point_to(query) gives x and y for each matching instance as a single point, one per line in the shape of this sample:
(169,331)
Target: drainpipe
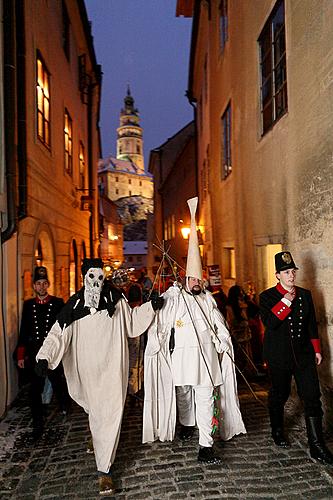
(10,116)
(21,110)
(91,163)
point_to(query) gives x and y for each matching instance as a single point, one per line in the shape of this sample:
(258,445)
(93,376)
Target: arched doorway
(43,254)
(73,274)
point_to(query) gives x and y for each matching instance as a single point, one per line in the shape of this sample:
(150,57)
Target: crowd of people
(188,347)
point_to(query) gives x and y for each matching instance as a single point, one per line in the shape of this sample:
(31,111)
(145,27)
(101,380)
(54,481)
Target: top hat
(40,273)
(284,261)
(90,263)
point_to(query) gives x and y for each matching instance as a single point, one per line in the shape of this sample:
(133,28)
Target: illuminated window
(266,265)
(73,269)
(68,143)
(223,23)
(43,102)
(229,263)
(226,143)
(82,166)
(272,50)
(39,254)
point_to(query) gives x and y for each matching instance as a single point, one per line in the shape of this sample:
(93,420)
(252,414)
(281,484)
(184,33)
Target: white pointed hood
(193,264)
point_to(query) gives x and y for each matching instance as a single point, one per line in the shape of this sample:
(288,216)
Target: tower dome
(129,134)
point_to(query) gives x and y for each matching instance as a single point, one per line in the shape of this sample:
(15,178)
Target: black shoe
(186,432)
(37,433)
(280,439)
(322,454)
(207,456)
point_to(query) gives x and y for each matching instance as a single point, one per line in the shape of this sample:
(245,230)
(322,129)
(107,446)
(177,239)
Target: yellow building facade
(261,80)
(50,217)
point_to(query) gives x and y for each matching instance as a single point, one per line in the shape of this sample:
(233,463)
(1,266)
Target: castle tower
(129,134)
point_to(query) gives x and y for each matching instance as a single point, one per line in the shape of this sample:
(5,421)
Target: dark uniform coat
(37,320)
(291,333)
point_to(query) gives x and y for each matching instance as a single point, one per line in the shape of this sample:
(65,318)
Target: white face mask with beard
(93,282)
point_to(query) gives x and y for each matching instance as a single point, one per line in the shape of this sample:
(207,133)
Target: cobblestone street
(58,467)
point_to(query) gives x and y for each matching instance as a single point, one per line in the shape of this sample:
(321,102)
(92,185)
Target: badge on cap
(286,257)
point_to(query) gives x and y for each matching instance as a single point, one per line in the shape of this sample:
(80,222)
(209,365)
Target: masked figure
(90,337)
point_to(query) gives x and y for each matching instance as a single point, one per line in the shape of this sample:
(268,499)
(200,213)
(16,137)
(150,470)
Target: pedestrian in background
(238,323)
(38,316)
(292,349)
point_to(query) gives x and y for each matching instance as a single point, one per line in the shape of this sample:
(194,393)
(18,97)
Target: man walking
(292,349)
(38,316)
(183,364)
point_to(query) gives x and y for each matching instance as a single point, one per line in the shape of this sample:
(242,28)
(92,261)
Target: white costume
(194,319)
(94,352)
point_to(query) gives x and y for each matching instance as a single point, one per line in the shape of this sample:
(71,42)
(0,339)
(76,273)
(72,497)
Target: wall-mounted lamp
(185,232)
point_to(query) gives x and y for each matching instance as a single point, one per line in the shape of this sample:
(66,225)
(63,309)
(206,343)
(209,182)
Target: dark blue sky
(143,43)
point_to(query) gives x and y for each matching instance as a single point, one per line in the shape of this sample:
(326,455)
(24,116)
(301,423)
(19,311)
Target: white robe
(94,351)
(186,366)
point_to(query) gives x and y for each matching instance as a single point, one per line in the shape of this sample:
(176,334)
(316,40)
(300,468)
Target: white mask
(93,282)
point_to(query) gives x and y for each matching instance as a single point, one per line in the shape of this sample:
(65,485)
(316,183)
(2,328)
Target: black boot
(276,418)
(318,448)
(186,432)
(207,456)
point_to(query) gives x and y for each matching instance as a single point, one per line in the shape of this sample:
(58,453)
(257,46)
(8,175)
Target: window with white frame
(223,23)
(226,160)
(43,102)
(68,143)
(273,68)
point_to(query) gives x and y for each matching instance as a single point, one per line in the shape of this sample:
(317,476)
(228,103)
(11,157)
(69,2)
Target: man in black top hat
(38,316)
(292,348)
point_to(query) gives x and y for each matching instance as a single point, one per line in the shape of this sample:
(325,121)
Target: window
(266,265)
(68,139)
(117,191)
(43,102)
(82,167)
(272,51)
(39,254)
(138,148)
(129,181)
(223,23)
(226,143)
(65,30)
(140,183)
(116,179)
(129,193)
(229,263)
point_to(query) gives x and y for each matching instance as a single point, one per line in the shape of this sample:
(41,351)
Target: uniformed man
(292,349)
(38,316)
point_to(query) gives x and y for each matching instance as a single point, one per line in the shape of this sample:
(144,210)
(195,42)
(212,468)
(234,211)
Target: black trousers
(59,386)
(307,384)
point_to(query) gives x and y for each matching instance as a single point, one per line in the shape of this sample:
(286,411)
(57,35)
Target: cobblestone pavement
(58,467)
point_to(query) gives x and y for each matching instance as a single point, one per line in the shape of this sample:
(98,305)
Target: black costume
(291,343)
(291,335)
(38,317)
